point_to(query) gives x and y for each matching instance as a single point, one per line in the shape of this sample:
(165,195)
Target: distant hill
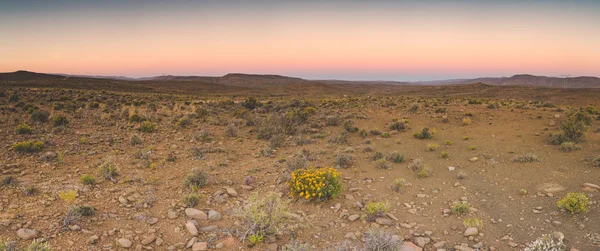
(525,80)
(27,76)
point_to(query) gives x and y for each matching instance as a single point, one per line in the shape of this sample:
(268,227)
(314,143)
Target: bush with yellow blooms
(315,184)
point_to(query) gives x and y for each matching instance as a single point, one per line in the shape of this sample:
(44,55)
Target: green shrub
(398,184)
(398,126)
(472,147)
(526,158)
(344,160)
(432,147)
(250,103)
(315,184)
(386,135)
(264,216)
(37,246)
(382,164)
(569,147)
(376,210)
(363,133)
(108,170)
(349,126)
(574,203)
(135,140)
(424,171)
(9,181)
(191,200)
(575,126)
(396,157)
(460,208)
(425,134)
(147,126)
(196,179)
(136,118)
(29,190)
(473,222)
(40,116)
(444,155)
(448,142)
(23,129)
(184,122)
(87,179)
(29,146)
(557,139)
(60,120)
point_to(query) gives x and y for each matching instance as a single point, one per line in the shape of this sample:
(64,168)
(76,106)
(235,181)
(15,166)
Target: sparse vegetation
(197,179)
(60,120)
(29,146)
(545,243)
(396,157)
(344,160)
(108,170)
(381,240)
(147,126)
(315,184)
(191,200)
(574,203)
(398,184)
(87,179)
(263,216)
(526,158)
(432,147)
(466,121)
(444,155)
(460,208)
(569,147)
(425,134)
(23,129)
(376,209)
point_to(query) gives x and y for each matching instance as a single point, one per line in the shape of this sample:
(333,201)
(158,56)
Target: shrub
(13,97)
(472,147)
(250,103)
(29,190)
(396,157)
(424,172)
(376,210)
(231,131)
(557,139)
(414,108)
(8,181)
(296,245)
(37,246)
(264,216)
(68,196)
(460,208)
(23,129)
(344,160)
(295,163)
(29,146)
(60,120)
(318,184)
(473,222)
(448,142)
(596,162)
(398,184)
(432,147)
(381,240)
(84,210)
(135,140)
(8,246)
(191,200)
(382,164)
(375,131)
(466,138)
(136,118)
(87,179)
(528,157)
(108,170)
(398,126)
(386,135)
(466,121)
(377,156)
(147,126)
(440,110)
(574,202)
(546,243)
(341,138)
(40,116)
(444,155)
(574,128)
(349,126)
(333,120)
(425,134)
(184,122)
(363,133)
(196,179)
(569,147)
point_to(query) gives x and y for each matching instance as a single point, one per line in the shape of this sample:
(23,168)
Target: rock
(219,245)
(273,247)
(512,244)
(550,187)
(421,195)
(473,159)
(409,246)
(353,217)
(214,215)
(558,236)
(232,192)
(196,214)
(92,240)
(200,246)
(350,236)
(123,200)
(556,223)
(384,221)
(191,242)
(124,243)
(591,187)
(159,241)
(472,231)
(422,241)
(171,214)
(208,229)
(152,221)
(463,248)
(27,234)
(191,227)
(230,242)
(149,239)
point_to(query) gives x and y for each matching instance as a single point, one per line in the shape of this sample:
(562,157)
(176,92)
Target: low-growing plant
(466,138)
(523,192)
(546,243)
(36,245)
(376,209)
(382,164)
(574,202)
(108,170)
(68,196)
(333,120)
(444,155)
(448,142)
(29,146)
(231,131)
(296,245)
(396,157)
(341,138)
(135,140)
(375,131)
(344,160)
(386,135)
(198,178)
(398,184)
(473,222)
(596,162)
(147,126)
(460,208)
(472,147)
(466,121)
(136,118)
(348,125)
(363,133)
(315,184)
(9,181)
(256,238)
(264,216)
(84,210)
(432,147)
(87,179)
(569,147)
(526,158)
(381,240)
(60,120)
(8,246)
(425,134)
(40,116)
(296,162)
(398,126)
(191,200)
(23,129)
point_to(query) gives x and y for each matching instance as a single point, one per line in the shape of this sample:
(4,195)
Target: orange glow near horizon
(289,43)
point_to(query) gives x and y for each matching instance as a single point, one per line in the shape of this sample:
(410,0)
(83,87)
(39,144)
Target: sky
(353,40)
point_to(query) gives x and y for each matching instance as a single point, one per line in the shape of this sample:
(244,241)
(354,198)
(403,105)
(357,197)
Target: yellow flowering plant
(315,184)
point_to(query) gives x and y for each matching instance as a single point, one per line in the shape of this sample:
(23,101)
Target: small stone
(200,246)
(214,215)
(124,243)
(591,187)
(149,239)
(232,192)
(196,214)
(556,223)
(353,217)
(191,227)
(558,236)
(350,236)
(191,242)
(512,244)
(409,246)
(92,240)
(384,221)
(473,159)
(472,231)
(171,214)
(27,234)
(152,221)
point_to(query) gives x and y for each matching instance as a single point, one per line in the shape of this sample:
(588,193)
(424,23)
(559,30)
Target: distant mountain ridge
(262,80)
